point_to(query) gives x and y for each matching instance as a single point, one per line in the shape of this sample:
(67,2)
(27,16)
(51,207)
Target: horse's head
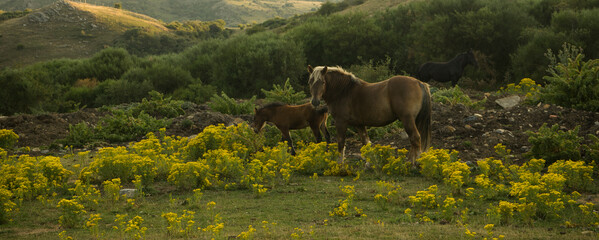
(259,120)
(470,59)
(317,83)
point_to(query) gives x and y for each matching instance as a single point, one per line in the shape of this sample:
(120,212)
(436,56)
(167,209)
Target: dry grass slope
(66,29)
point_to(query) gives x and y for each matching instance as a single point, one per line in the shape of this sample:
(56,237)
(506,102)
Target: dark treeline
(510,39)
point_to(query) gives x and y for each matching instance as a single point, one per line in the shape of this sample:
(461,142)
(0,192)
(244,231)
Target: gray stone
(128,192)
(508,102)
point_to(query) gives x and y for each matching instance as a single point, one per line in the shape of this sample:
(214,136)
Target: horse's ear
(310,69)
(324,70)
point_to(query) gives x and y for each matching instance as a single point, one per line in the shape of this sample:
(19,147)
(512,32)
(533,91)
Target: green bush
(243,65)
(528,60)
(455,95)
(225,104)
(552,144)
(158,106)
(112,92)
(572,82)
(110,63)
(285,94)
(372,72)
(196,92)
(123,126)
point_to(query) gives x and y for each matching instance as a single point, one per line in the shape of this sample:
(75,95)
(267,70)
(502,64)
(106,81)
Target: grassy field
(298,210)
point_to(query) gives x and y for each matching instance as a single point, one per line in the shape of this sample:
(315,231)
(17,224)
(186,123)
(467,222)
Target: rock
(508,102)
(38,17)
(473,118)
(404,136)
(128,192)
(447,129)
(500,131)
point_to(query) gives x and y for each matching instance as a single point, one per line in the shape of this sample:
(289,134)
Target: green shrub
(243,65)
(572,82)
(454,95)
(79,135)
(112,92)
(110,63)
(371,71)
(158,106)
(8,138)
(551,144)
(285,94)
(225,104)
(122,126)
(196,92)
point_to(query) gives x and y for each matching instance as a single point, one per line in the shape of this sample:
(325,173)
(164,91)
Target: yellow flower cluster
(179,225)
(526,87)
(85,194)
(71,213)
(385,159)
(426,198)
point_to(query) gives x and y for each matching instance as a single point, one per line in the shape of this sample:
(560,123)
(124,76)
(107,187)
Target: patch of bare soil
(470,131)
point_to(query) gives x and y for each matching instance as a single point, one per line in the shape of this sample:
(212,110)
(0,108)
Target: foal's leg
(410,127)
(287,137)
(363,135)
(323,128)
(316,132)
(341,128)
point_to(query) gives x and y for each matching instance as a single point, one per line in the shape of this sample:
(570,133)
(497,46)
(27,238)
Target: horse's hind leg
(414,136)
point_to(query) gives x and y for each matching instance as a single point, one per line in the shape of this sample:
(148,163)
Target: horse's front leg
(363,135)
(287,137)
(341,128)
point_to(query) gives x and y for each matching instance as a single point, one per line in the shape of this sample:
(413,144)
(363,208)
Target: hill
(67,29)
(234,12)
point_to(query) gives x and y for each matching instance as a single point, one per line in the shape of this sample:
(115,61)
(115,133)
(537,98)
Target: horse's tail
(423,119)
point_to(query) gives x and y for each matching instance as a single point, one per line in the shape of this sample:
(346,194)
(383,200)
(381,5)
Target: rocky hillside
(234,12)
(66,29)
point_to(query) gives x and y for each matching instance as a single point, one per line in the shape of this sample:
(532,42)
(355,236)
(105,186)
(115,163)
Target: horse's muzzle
(315,102)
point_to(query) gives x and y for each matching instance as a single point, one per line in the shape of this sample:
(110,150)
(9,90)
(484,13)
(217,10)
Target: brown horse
(290,117)
(354,102)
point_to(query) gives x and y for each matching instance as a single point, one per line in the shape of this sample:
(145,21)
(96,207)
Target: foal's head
(264,114)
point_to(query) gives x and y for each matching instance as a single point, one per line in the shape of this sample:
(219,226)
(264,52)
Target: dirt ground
(470,131)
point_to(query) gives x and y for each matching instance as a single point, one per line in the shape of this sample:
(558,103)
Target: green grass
(304,203)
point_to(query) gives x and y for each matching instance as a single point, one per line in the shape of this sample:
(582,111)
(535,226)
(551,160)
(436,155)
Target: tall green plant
(551,144)
(227,105)
(285,94)
(572,82)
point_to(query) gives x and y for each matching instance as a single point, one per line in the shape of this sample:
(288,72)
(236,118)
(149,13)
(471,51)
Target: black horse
(447,71)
